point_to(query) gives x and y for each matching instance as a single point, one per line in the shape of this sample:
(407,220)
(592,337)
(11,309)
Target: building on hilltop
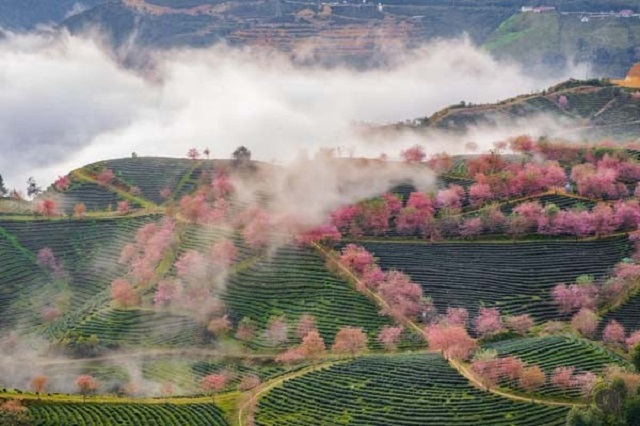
(633,78)
(539,9)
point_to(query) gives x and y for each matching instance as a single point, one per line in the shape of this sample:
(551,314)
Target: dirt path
(252,397)
(146,204)
(195,352)
(459,366)
(469,375)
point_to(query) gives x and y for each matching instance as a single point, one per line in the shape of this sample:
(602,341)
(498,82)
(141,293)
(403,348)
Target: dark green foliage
(293,282)
(635,356)
(33,189)
(241,155)
(516,277)
(56,414)
(590,416)
(632,411)
(3,189)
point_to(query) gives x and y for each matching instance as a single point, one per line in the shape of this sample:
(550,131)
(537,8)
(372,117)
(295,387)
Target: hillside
(592,110)
(181,292)
(354,32)
(551,40)
(357,32)
(26,14)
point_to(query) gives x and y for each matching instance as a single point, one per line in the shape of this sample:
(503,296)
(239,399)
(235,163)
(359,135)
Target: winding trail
(147,205)
(252,397)
(194,352)
(465,371)
(462,369)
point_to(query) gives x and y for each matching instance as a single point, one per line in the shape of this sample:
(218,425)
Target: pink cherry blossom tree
(256,233)
(585,322)
(614,334)
(349,340)
(401,296)
(520,324)
(356,258)
(167,292)
(417,214)
(224,253)
(123,294)
(306,324)
(415,154)
(453,341)
(479,194)
(214,383)
(222,186)
(62,183)
(48,260)
(471,227)
(562,377)
(450,198)
(277,332)
(457,316)
(488,322)
(105,177)
(123,208)
(389,337)
(86,384)
(193,154)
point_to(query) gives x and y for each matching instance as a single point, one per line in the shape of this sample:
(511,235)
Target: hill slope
(592,110)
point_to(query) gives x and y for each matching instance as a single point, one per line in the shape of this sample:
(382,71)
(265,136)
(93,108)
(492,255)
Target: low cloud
(65,102)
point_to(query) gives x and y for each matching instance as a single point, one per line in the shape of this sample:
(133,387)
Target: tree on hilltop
(241,155)
(214,383)
(3,189)
(33,190)
(86,384)
(351,340)
(38,384)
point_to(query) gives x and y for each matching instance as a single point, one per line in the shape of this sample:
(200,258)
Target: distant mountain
(607,41)
(26,14)
(358,32)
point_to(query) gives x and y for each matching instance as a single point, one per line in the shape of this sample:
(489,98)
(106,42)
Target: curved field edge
(400,390)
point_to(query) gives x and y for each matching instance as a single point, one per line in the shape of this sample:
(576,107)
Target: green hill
(594,110)
(550,40)
(151,352)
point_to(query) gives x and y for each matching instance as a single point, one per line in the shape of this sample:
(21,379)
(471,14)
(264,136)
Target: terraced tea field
(191,341)
(293,282)
(558,351)
(137,327)
(126,414)
(517,277)
(628,315)
(19,281)
(88,249)
(399,390)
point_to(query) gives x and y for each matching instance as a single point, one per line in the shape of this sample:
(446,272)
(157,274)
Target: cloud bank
(65,102)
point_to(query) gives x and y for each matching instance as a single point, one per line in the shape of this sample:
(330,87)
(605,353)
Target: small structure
(526,9)
(627,13)
(633,78)
(543,9)
(584,19)
(380,7)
